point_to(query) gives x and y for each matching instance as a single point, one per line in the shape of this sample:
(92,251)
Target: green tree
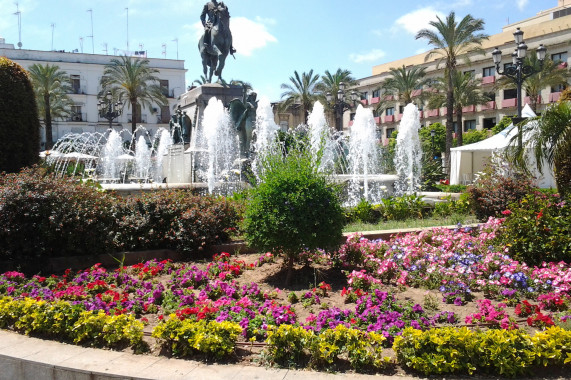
(19,123)
(200,81)
(135,81)
(404,82)
(51,86)
(466,93)
(550,139)
(451,41)
(293,208)
(300,90)
(548,75)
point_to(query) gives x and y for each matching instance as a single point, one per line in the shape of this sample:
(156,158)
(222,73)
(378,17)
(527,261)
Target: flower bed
(207,309)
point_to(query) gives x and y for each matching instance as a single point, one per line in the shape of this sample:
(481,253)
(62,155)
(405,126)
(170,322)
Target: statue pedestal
(194,102)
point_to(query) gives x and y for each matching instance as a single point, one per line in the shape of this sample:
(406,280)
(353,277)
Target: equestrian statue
(216,42)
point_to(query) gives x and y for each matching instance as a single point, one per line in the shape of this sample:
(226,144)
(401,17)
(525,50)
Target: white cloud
(521,4)
(267,21)
(373,55)
(247,35)
(416,20)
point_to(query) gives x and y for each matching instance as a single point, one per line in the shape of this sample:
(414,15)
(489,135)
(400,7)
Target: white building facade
(85,72)
(551,28)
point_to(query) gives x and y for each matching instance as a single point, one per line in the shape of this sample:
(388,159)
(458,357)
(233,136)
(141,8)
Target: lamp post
(340,106)
(519,72)
(109,110)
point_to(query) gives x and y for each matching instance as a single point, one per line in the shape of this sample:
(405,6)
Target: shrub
(496,188)
(538,229)
(174,219)
(19,122)
(293,208)
(403,207)
(43,216)
(185,337)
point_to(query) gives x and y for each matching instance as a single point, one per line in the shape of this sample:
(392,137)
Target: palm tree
(50,83)
(549,140)
(551,74)
(133,80)
(301,90)
(329,83)
(200,81)
(466,93)
(451,41)
(404,82)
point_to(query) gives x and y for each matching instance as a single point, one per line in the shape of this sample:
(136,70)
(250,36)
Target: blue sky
(274,38)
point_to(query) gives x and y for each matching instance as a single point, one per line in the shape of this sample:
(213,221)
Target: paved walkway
(26,358)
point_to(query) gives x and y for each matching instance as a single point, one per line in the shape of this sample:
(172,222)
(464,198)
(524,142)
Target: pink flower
(506,212)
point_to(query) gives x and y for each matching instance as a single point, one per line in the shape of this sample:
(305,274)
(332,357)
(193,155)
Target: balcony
(350,122)
(415,92)
(377,120)
(364,102)
(554,96)
(507,103)
(421,113)
(375,100)
(389,97)
(77,90)
(399,117)
(77,117)
(444,111)
(489,80)
(488,106)
(527,100)
(389,118)
(432,113)
(468,109)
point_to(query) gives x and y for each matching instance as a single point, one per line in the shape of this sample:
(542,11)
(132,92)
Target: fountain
(408,152)
(264,133)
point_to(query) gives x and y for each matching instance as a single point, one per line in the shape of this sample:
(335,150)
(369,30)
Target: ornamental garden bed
(438,301)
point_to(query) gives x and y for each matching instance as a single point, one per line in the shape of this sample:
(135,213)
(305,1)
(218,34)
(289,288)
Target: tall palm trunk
(449,119)
(48,117)
(459,137)
(134,116)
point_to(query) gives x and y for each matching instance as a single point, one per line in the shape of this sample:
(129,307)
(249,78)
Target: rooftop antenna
(53,27)
(105,48)
(92,43)
(81,44)
(176,40)
(164,50)
(19,14)
(127,9)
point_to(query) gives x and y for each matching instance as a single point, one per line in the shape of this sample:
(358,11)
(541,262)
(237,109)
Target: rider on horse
(211,9)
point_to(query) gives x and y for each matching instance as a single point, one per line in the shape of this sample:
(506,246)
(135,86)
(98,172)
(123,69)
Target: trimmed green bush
(19,122)
(43,216)
(293,208)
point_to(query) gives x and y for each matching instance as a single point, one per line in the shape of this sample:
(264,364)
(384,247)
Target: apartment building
(85,72)
(551,28)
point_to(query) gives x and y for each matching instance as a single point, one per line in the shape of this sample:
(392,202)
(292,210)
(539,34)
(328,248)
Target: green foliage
(538,228)
(508,353)
(293,207)
(186,338)
(57,217)
(451,188)
(473,136)
(174,219)
(19,122)
(495,189)
(503,124)
(293,345)
(403,207)
(431,173)
(449,207)
(63,320)
(434,145)
(363,212)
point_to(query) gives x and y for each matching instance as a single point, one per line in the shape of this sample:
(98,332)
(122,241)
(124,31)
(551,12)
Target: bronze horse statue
(214,54)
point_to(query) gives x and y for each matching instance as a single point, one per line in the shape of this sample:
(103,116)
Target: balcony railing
(489,80)
(468,109)
(527,100)
(375,100)
(377,120)
(389,118)
(77,117)
(508,103)
(488,106)
(554,96)
(432,113)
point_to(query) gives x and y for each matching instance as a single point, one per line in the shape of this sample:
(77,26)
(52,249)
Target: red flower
(539,214)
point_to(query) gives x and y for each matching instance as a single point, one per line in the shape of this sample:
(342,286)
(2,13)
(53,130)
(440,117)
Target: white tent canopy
(467,160)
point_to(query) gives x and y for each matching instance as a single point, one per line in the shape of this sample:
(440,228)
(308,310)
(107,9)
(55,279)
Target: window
(489,71)
(562,13)
(352,116)
(510,93)
(420,107)
(76,113)
(472,73)
(401,109)
(375,112)
(164,84)
(364,95)
(489,123)
(490,95)
(376,93)
(559,57)
(165,114)
(390,132)
(558,88)
(469,124)
(75,84)
(390,111)
(284,126)
(455,126)
(508,65)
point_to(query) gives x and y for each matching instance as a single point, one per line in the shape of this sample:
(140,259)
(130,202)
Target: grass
(411,223)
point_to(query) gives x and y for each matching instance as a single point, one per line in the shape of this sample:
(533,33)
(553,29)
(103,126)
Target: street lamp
(340,106)
(519,72)
(109,110)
